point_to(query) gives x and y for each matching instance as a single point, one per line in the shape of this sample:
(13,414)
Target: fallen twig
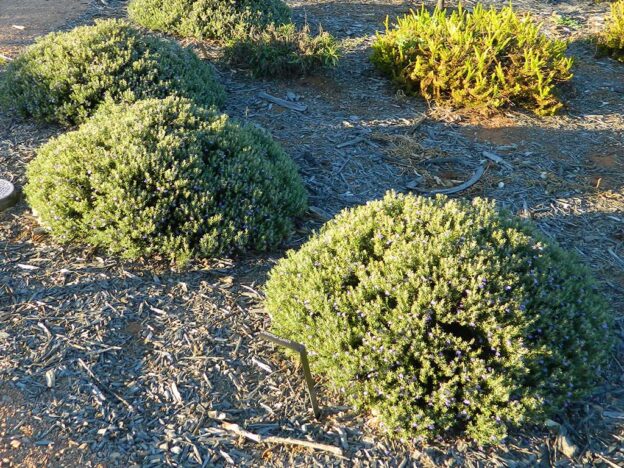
(417,122)
(282,102)
(616,256)
(355,141)
(458,188)
(102,386)
(236,429)
(608,462)
(498,160)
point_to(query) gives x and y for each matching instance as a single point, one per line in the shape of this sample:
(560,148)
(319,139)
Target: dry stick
(355,141)
(458,188)
(282,102)
(497,159)
(608,462)
(235,428)
(616,256)
(303,356)
(99,382)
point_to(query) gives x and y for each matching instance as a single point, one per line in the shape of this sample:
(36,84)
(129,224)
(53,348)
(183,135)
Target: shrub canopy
(65,76)
(207,19)
(283,51)
(165,177)
(611,41)
(442,315)
(483,59)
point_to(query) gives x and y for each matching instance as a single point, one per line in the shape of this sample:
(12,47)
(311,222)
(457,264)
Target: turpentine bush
(65,76)
(283,51)
(442,315)
(611,41)
(483,59)
(168,178)
(207,19)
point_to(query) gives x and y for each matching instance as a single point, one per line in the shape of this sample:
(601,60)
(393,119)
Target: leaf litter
(141,364)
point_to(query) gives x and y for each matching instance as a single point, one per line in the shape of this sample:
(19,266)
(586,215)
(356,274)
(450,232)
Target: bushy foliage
(165,177)
(611,41)
(441,315)
(65,76)
(482,59)
(283,51)
(207,19)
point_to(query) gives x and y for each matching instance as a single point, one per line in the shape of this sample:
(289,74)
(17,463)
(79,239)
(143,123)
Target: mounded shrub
(65,76)
(611,41)
(283,51)
(207,19)
(442,316)
(168,178)
(484,59)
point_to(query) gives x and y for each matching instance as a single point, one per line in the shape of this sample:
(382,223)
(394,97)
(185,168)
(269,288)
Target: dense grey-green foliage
(207,19)
(442,315)
(165,177)
(64,77)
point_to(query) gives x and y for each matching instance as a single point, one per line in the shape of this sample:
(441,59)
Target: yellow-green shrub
(443,315)
(481,59)
(611,41)
(283,51)
(165,177)
(64,77)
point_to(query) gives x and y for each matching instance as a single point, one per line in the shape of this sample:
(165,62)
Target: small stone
(501,184)
(565,446)
(16,443)
(50,378)
(550,424)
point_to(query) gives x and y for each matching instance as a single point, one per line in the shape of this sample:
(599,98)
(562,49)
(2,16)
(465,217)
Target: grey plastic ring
(8,194)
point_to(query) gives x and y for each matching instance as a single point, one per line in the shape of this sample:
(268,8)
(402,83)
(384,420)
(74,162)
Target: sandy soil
(21,21)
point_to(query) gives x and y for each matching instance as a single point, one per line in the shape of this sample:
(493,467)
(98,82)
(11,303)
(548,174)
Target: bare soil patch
(21,21)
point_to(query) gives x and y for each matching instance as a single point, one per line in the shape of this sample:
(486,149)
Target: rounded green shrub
(168,178)
(483,59)
(283,51)
(64,77)
(611,40)
(442,316)
(207,19)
